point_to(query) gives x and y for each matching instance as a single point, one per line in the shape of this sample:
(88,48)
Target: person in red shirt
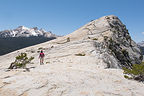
(41,56)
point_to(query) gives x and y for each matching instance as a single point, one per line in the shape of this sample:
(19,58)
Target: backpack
(42,55)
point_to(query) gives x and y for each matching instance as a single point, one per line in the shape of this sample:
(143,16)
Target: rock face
(141,43)
(111,40)
(22,31)
(141,46)
(79,64)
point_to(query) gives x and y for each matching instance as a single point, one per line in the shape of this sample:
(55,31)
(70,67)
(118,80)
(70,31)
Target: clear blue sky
(64,16)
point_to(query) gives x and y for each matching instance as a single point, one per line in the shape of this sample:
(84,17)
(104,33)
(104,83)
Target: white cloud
(143,33)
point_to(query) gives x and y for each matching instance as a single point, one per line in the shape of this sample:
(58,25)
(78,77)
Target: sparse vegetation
(136,72)
(47,62)
(111,41)
(41,48)
(105,38)
(114,31)
(95,39)
(38,51)
(20,61)
(68,39)
(80,54)
(107,17)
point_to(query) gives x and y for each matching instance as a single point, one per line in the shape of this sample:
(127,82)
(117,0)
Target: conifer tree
(21,61)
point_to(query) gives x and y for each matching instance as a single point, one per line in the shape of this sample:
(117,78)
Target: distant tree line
(10,44)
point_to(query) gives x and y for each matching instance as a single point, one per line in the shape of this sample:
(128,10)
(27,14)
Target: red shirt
(41,55)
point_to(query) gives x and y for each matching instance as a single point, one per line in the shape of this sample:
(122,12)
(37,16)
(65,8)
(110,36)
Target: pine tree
(21,61)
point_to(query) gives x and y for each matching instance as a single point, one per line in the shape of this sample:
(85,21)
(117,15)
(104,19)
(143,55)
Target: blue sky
(65,16)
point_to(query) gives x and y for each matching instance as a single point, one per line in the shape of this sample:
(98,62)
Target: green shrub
(95,39)
(127,77)
(105,38)
(68,39)
(114,31)
(21,61)
(38,51)
(110,40)
(47,62)
(40,48)
(80,54)
(136,72)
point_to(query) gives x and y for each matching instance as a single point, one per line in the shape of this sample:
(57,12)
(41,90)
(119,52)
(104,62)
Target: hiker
(41,56)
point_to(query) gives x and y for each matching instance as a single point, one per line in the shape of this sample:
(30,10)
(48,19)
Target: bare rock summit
(111,41)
